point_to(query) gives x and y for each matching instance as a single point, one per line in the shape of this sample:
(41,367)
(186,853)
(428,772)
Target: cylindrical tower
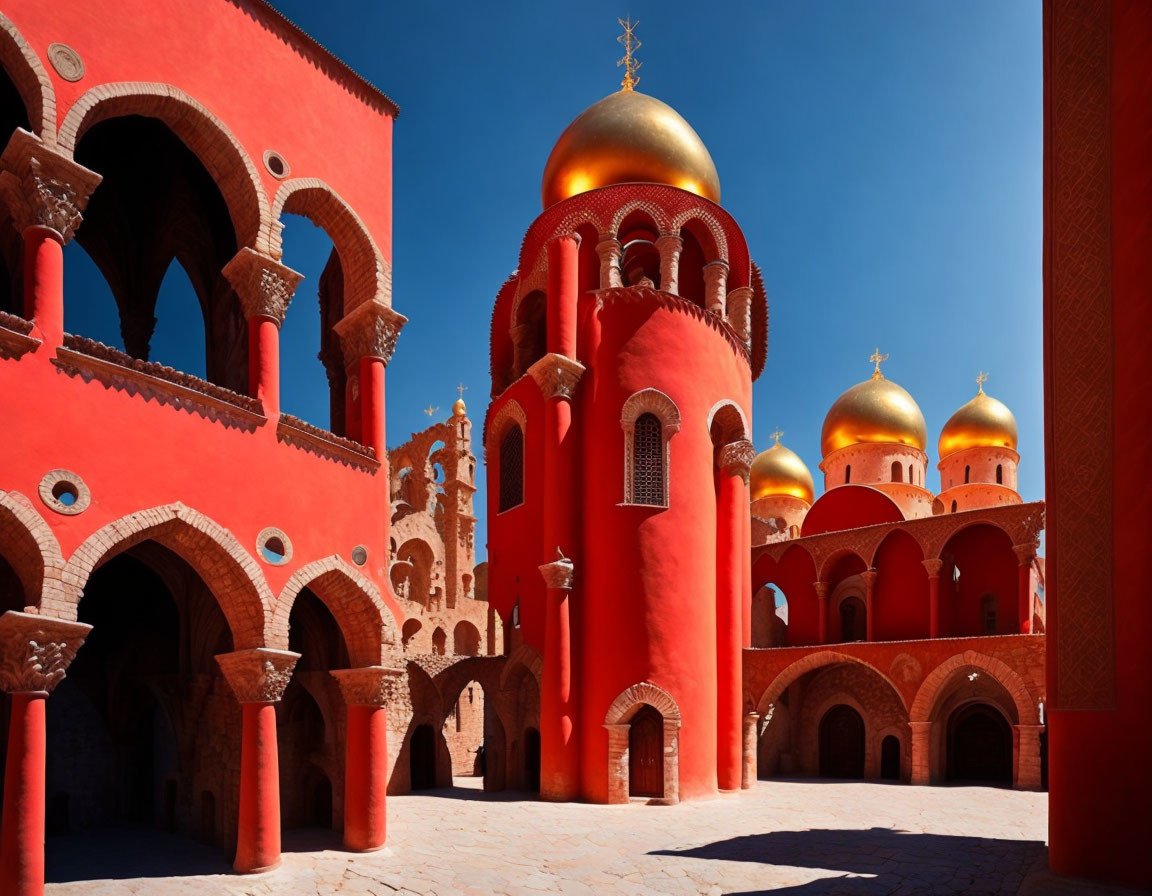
(978,459)
(782,493)
(875,435)
(623,353)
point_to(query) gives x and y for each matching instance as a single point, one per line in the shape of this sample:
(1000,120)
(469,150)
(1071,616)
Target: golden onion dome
(779,471)
(983,422)
(876,410)
(458,408)
(628,137)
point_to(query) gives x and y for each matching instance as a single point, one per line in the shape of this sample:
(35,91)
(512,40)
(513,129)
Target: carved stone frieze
(370,685)
(556,375)
(369,330)
(258,675)
(44,187)
(735,458)
(264,287)
(35,651)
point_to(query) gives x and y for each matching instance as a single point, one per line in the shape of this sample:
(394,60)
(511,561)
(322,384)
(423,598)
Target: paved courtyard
(785,837)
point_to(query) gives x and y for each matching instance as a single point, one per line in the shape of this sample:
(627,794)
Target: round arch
(31,79)
(29,546)
(809,663)
(368,625)
(618,722)
(731,419)
(202,132)
(229,571)
(928,696)
(706,230)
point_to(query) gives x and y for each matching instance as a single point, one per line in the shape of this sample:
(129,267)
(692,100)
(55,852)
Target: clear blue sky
(883,159)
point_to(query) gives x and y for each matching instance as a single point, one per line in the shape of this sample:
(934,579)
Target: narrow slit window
(512,468)
(648,461)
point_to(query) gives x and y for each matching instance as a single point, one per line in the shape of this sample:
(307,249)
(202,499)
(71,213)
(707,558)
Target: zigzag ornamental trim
(258,675)
(320,442)
(35,651)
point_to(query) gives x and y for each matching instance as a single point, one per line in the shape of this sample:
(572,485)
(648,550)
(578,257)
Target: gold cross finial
(430,410)
(777,434)
(461,388)
(877,359)
(631,45)
(981,379)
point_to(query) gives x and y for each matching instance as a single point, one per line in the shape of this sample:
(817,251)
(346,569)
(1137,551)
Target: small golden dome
(458,408)
(779,471)
(628,137)
(876,410)
(983,422)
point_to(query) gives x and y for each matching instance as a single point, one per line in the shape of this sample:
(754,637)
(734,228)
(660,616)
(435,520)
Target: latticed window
(648,461)
(512,468)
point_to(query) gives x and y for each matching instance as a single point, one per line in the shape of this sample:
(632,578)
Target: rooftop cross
(981,379)
(877,359)
(631,45)
(461,388)
(430,410)
(777,434)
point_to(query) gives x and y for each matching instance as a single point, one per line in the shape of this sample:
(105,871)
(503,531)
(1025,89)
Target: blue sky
(882,158)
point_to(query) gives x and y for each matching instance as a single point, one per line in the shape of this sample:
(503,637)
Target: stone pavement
(809,838)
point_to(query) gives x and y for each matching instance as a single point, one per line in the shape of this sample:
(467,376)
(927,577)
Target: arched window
(967,474)
(897,471)
(649,419)
(512,468)
(988,614)
(953,506)
(848,474)
(853,619)
(911,474)
(999,474)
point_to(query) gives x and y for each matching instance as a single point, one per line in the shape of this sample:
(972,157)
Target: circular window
(359,555)
(274,546)
(65,492)
(276,164)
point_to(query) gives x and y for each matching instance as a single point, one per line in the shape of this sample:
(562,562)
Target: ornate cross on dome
(981,379)
(631,45)
(777,434)
(461,388)
(877,359)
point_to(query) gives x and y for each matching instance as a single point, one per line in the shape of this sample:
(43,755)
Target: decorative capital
(672,241)
(608,247)
(264,287)
(556,375)
(369,685)
(735,459)
(1025,553)
(258,675)
(44,187)
(869,578)
(35,651)
(933,566)
(559,573)
(370,330)
(821,590)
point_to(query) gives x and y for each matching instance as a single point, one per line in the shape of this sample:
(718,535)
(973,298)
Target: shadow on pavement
(120,853)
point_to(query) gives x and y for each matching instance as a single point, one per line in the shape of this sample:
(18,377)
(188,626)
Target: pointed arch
(32,82)
(227,569)
(369,627)
(201,131)
(936,683)
(30,547)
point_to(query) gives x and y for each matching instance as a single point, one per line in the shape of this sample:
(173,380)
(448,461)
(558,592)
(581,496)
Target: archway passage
(422,758)
(890,758)
(646,754)
(465,731)
(532,760)
(979,745)
(842,743)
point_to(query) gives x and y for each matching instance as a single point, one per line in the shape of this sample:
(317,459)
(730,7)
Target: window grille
(512,468)
(648,461)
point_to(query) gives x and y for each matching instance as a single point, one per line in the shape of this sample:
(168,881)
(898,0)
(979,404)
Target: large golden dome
(983,422)
(628,137)
(876,410)
(779,471)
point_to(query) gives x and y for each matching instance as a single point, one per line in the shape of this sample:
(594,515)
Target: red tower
(623,353)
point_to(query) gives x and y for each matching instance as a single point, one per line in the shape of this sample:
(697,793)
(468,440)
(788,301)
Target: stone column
(563,294)
(46,193)
(739,308)
(367,691)
(609,251)
(264,288)
(869,577)
(715,284)
(822,606)
(1027,738)
(559,755)
(921,752)
(670,245)
(35,652)
(751,722)
(368,336)
(733,461)
(1025,554)
(933,567)
(258,677)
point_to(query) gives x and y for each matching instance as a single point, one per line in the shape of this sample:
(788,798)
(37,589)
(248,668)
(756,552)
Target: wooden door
(646,754)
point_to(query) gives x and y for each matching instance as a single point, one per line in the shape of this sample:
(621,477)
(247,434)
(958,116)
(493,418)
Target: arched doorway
(979,745)
(422,758)
(646,754)
(842,743)
(532,760)
(853,620)
(890,758)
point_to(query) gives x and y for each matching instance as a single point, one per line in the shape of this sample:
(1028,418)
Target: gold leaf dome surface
(984,422)
(876,410)
(628,137)
(780,471)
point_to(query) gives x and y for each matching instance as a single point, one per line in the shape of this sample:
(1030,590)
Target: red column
(732,552)
(22,842)
(372,403)
(822,606)
(869,577)
(264,362)
(933,566)
(563,294)
(44,282)
(1025,553)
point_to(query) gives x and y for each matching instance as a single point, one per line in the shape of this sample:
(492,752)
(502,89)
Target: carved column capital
(739,309)
(869,579)
(933,566)
(44,187)
(264,287)
(735,459)
(560,573)
(556,375)
(35,651)
(715,280)
(370,685)
(821,590)
(258,675)
(609,251)
(369,330)
(1025,553)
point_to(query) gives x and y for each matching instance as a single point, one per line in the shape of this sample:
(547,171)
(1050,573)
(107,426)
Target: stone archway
(624,709)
